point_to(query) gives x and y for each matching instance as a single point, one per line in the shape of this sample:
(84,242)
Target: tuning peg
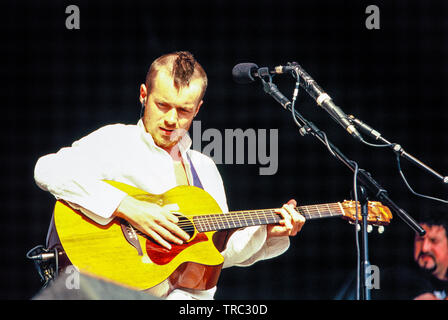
(380,229)
(369,228)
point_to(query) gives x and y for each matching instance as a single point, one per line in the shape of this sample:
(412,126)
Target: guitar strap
(196,180)
(222,237)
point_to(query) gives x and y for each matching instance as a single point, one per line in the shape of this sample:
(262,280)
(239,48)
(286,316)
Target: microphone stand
(396,148)
(364,290)
(362,176)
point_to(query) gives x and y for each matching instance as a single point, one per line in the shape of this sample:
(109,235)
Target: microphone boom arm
(398,149)
(364,177)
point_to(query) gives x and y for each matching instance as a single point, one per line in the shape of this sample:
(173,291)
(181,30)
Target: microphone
(244,73)
(272,90)
(324,100)
(365,127)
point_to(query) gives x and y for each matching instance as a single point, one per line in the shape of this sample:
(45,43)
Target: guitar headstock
(378,214)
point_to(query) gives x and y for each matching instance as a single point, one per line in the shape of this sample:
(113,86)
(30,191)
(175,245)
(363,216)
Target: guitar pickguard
(160,255)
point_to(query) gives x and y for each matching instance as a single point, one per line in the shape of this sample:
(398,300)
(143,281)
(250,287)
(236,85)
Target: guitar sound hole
(185,224)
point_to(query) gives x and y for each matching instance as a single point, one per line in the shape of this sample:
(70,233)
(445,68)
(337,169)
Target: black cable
(376,145)
(358,251)
(410,188)
(47,268)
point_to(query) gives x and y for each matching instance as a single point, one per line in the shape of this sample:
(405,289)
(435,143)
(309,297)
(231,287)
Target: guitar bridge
(131,236)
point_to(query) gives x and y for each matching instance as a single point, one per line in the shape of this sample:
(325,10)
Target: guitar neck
(247,218)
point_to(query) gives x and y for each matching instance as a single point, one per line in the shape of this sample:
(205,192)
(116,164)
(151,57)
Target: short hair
(183,67)
(435,216)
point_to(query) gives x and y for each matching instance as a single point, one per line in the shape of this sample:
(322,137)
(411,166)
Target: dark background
(58,85)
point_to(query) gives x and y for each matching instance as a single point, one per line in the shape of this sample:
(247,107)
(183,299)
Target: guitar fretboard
(241,219)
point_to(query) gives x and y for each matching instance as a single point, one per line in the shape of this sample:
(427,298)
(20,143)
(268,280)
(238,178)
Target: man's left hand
(291,223)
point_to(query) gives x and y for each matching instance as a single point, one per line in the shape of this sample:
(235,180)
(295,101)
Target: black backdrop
(60,84)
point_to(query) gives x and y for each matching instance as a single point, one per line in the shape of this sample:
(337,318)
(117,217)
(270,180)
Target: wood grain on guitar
(103,250)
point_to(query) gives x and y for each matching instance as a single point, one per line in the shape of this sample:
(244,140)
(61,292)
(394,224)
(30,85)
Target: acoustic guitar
(120,253)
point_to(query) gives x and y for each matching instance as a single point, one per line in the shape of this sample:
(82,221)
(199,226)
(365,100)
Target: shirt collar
(184,144)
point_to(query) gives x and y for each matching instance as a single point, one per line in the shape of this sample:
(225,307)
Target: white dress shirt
(128,154)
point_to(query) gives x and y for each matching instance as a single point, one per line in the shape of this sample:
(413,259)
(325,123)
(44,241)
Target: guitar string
(256,214)
(268,215)
(211,220)
(236,216)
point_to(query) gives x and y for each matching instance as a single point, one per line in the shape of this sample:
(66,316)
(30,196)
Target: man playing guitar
(155,156)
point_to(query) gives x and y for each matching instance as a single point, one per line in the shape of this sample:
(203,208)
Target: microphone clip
(264,72)
(271,89)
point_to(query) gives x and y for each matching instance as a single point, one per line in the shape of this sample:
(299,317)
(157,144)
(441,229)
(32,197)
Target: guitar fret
(206,223)
(220,222)
(226,222)
(309,213)
(240,224)
(266,216)
(211,222)
(259,220)
(214,222)
(274,217)
(249,221)
(221,219)
(240,219)
(235,220)
(257,215)
(229,220)
(262,218)
(255,219)
(340,208)
(270,218)
(253,222)
(329,210)
(197,223)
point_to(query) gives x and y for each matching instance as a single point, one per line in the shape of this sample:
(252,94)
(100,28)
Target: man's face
(169,112)
(431,251)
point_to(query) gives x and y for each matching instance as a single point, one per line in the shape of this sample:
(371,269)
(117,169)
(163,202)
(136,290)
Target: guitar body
(104,251)
(118,253)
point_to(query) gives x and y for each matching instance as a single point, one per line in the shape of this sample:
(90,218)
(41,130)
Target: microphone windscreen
(242,72)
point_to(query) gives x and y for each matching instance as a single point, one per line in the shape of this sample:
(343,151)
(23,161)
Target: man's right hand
(155,221)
